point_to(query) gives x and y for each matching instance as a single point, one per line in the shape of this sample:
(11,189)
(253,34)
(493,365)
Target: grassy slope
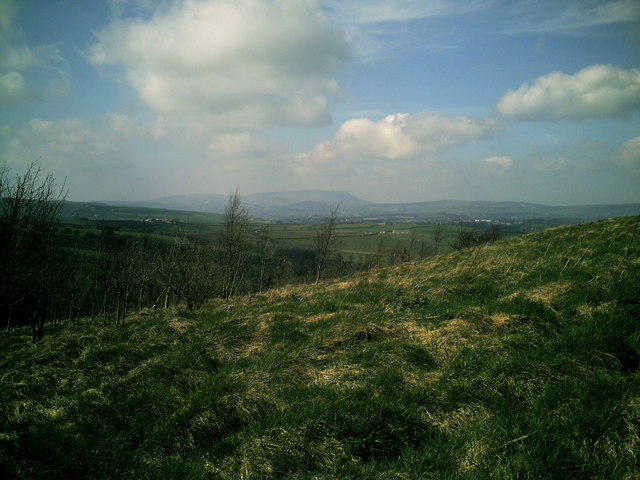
(515,360)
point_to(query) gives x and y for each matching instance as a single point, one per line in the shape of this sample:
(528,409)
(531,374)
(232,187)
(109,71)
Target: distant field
(365,238)
(84,224)
(99,211)
(354,239)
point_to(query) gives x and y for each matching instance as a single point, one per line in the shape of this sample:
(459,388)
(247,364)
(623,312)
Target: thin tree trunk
(166,297)
(104,307)
(33,327)
(125,306)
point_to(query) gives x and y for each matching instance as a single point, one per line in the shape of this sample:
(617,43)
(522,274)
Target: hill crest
(318,203)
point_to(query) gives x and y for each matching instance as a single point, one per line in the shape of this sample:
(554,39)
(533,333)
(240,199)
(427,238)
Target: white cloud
(570,16)
(598,91)
(113,157)
(68,144)
(618,11)
(17,58)
(239,144)
(246,64)
(247,161)
(395,138)
(13,88)
(497,166)
(119,157)
(98,157)
(500,161)
(628,154)
(381,30)
(374,11)
(14,55)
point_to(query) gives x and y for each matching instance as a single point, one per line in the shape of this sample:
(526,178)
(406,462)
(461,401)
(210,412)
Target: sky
(392,101)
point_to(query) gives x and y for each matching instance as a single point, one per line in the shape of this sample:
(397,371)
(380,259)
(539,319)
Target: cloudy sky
(390,100)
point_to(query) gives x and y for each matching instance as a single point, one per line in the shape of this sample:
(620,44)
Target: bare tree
(193,274)
(235,244)
(324,240)
(264,252)
(29,207)
(439,234)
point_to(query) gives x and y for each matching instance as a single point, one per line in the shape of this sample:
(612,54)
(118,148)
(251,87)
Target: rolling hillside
(518,359)
(318,203)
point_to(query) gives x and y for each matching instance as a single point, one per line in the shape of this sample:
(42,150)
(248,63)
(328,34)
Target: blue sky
(410,100)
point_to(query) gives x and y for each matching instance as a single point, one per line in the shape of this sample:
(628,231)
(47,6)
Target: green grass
(512,360)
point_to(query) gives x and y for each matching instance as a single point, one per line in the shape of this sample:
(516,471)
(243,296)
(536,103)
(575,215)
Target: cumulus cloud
(246,64)
(598,91)
(393,139)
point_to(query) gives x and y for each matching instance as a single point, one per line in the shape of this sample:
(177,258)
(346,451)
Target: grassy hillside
(513,360)
(104,212)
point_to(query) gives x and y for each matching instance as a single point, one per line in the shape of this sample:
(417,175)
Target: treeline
(43,281)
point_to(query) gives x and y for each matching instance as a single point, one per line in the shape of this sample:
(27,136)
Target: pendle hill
(514,359)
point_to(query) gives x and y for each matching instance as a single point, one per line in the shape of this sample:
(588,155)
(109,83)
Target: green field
(518,359)
(356,239)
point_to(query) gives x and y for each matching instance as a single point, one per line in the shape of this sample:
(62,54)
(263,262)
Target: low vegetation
(513,359)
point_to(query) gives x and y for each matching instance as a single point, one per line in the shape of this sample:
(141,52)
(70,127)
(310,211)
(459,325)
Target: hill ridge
(314,203)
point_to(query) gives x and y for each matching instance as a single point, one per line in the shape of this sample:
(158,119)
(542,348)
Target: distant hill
(307,203)
(507,211)
(122,211)
(281,199)
(318,203)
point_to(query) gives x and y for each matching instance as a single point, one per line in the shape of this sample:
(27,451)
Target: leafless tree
(193,274)
(264,252)
(235,245)
(439,234)
(29,207)
(324,240)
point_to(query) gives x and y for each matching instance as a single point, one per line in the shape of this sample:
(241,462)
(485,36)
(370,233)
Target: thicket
(472,238)
(43,279)
(32,269)
(51,272)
